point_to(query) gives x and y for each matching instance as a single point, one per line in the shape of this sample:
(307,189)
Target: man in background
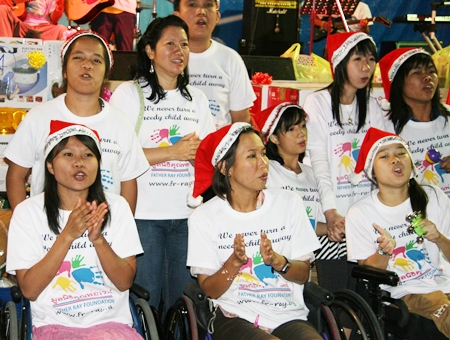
(119,19)
(216,69)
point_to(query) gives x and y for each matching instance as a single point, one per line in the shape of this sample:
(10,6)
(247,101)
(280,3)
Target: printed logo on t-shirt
(78,286)
(428,153)
(412,262)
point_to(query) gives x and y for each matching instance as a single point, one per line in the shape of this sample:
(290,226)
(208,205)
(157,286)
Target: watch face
(286,268)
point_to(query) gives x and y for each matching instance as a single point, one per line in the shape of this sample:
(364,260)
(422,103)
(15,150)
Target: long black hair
(140,70)
(52,201)
(401,112)
(221,181)
(293,115)
(336,88)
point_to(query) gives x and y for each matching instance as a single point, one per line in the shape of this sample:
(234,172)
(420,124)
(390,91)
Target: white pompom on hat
(60,130)
(210,151)
(373,141)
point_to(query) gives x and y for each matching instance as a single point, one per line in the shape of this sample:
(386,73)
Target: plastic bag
(308,68)
(442,61)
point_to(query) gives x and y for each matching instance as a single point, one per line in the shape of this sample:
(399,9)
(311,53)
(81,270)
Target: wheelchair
(192,316)
(393,315)
(16,324)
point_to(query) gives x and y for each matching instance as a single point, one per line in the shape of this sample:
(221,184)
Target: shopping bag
(442,61)
(308,68)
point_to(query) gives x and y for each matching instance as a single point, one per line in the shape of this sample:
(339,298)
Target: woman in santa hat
(378,234)
(73,246)
(338,118)
(411,85)
(250,248)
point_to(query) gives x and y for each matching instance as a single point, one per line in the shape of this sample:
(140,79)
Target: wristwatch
(285,268)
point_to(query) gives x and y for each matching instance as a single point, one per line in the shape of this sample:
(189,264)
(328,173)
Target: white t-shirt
(122,156)
(221,74)
(304,184)
(257,292)
(163,190)
(80,294)
(422,136)
(417,265)
(341,148)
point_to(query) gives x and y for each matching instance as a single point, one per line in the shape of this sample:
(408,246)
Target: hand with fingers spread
(385,241)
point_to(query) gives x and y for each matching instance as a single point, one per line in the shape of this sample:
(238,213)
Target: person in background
(119,19)
(86,62)
(214,68)
(362,13)
(249,241)
(72,241)
(377,233)
(285,134)
(38,19)
(411,84)
(170,117)
(338,118)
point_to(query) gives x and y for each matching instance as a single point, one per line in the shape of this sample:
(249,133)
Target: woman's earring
(152,70)
(182,73)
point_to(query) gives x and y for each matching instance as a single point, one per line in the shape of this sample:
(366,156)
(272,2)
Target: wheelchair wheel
(328,327)
(348,305)
(181,322)
(150,327)
(11,330)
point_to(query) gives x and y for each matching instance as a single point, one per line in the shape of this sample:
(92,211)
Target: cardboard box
(23,75)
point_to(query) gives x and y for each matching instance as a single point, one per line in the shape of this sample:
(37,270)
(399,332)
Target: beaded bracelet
(230,277)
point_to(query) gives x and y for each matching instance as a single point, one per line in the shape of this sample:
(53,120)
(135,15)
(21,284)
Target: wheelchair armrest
(193,291)
(140,291)
(316,295)
(16,294)
(375,275)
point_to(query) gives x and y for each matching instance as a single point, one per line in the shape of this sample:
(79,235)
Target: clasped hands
(86,216)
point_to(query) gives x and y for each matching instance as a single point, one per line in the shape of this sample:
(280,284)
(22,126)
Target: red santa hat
(87,33)
(373,141)
(339,44)
(267,120)
(60,130)
(389,66)
(210,151)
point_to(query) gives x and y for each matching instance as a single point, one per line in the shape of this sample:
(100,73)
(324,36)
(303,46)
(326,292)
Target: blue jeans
(162,268)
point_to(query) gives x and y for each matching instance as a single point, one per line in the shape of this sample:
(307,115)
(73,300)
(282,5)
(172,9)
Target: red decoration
(260,78)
